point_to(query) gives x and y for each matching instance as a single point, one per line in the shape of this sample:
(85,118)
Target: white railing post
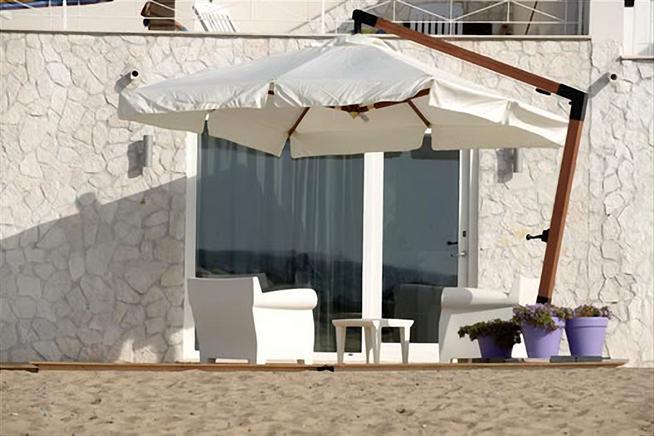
(450,23)
(322,17)
(64,15)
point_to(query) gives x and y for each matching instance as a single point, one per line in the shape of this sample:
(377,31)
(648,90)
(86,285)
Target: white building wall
(91,249)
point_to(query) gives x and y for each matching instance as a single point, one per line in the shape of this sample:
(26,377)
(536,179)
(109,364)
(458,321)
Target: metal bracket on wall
(543,236)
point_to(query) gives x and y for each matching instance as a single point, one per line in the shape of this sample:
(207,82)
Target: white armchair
(234,319)
(463,306)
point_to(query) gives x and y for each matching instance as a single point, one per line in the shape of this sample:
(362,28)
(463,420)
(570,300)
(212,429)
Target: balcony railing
(447,17)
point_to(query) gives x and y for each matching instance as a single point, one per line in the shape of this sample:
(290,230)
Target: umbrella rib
(420,114)
(382,104)
(298,121)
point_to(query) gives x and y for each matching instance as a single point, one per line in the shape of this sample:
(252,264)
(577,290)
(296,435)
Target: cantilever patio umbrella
(350,95)
(353,94)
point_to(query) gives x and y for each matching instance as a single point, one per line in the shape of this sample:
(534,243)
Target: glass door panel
(421,215)
(293,222)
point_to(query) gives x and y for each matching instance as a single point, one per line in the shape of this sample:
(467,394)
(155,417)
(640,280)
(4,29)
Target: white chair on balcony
(463,306)
(214,17)
(234,319)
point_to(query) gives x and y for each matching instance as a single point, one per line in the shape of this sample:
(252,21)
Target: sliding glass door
(421,221)
(292,222)
(304,223)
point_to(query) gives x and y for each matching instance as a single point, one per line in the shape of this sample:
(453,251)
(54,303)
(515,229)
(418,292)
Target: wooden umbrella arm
(362,17)
(578,101)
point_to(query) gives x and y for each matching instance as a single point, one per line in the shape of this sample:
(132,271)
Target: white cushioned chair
(463,306)
(234,319)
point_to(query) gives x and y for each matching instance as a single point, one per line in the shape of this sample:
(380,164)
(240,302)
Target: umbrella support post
(554,235)
(578,101)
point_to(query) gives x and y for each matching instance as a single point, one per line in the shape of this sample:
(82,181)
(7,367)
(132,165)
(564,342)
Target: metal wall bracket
(543,236)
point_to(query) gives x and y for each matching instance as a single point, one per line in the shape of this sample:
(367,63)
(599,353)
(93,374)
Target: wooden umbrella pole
(578,99)
(554,237)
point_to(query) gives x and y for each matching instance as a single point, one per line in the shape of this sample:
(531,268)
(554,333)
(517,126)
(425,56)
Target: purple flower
(587,310)
(545,316)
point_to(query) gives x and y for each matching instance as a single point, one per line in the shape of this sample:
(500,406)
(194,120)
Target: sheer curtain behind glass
(298,222)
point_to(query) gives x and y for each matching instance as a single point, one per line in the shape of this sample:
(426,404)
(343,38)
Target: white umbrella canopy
(351,95)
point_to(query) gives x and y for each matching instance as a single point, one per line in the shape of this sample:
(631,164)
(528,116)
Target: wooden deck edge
(466,366)
(18,367)
(281,367)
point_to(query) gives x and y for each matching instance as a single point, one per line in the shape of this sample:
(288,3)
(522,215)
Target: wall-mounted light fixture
(146,156)
(131,75)
(518,159)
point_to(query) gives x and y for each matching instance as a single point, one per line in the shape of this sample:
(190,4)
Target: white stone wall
(608,252)
(621,202)
(91,256)
(92,244)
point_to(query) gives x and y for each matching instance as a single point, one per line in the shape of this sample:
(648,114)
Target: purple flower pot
(490,350)
(540,342)
(586,335)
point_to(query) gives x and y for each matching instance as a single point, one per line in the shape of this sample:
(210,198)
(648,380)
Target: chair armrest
(479,298)
(287,299)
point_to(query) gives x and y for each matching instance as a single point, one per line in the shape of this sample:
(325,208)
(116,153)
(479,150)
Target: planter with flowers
(586,329)
(495,338)
(541,325)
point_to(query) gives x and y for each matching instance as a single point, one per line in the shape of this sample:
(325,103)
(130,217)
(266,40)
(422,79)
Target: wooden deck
(19,367)
(290,367)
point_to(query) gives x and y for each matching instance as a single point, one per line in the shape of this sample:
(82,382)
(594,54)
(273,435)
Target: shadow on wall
(135,152)
(505,158)
(104,284)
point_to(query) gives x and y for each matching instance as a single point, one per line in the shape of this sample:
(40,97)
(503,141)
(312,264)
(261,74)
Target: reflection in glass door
(421,221)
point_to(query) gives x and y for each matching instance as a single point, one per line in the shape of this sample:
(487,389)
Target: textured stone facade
(92,243)
(608,251)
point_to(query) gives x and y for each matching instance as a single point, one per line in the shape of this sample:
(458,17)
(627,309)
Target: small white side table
(372,329)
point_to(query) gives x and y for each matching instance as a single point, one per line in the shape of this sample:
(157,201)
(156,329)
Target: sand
(461,402)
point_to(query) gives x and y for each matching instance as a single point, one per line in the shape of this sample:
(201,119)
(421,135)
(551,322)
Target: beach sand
(456,402)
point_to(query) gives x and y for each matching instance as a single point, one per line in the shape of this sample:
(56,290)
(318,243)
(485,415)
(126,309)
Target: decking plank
(18,367)
(292,367)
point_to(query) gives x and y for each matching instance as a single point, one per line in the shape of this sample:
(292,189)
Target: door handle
(452,242)
(459,254)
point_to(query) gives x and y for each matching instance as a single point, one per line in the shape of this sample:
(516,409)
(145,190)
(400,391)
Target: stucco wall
(607,256)
(91,261)
(621,203)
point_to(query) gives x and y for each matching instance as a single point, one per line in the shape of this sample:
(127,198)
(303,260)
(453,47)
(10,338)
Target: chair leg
(367,331)
(376,333)
(340,344)
(405,339)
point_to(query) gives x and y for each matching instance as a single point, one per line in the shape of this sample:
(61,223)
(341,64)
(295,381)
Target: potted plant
(541,325)
(495,338)
(585,330)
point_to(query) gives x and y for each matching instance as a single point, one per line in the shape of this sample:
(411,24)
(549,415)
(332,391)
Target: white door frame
(189,353)
(372,255)
(468,242)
